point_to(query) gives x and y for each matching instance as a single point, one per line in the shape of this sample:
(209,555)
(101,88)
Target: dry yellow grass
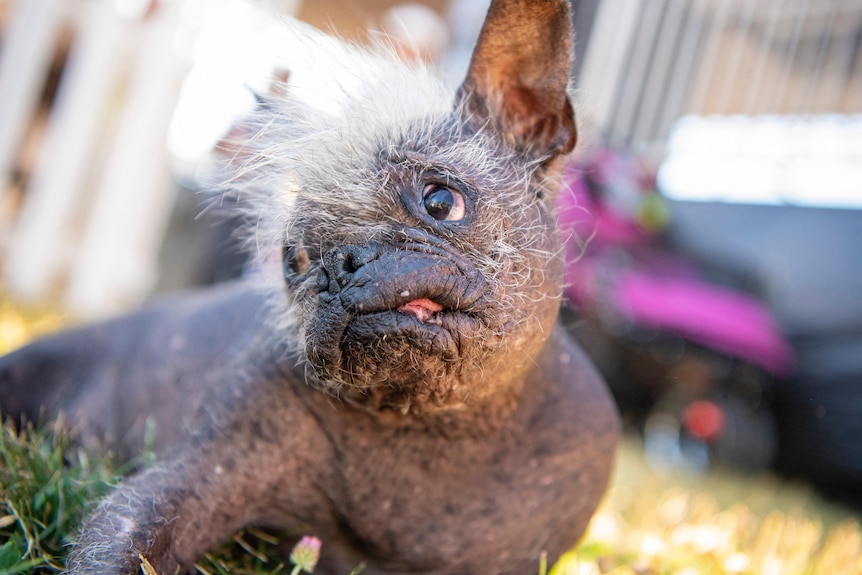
(722,523)
(21,323)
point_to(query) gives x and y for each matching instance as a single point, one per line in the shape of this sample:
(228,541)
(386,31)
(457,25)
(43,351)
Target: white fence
(85,174)
(84,212)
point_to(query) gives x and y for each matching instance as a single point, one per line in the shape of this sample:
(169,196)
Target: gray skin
(464,435)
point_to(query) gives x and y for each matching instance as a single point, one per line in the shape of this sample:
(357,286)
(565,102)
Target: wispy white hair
(316,134)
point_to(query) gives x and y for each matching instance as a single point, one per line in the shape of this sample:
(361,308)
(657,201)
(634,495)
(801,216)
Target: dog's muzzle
(418,294)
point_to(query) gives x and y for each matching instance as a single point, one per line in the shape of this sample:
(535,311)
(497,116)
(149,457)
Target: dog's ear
(519,75)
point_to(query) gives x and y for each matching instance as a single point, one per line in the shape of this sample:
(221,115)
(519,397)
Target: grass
(47,486)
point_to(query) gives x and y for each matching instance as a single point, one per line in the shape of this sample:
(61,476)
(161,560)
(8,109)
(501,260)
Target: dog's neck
(464,418)
(477,403)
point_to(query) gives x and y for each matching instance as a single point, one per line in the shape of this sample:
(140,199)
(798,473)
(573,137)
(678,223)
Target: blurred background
(713,208)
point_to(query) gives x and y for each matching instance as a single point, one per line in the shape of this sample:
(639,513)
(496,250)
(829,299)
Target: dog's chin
(405,359)
(381,335)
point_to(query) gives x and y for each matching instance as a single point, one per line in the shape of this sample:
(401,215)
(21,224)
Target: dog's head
(416,223)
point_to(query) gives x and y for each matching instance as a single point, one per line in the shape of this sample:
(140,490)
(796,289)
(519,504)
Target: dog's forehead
(345,105)
(330,149)
(402,116)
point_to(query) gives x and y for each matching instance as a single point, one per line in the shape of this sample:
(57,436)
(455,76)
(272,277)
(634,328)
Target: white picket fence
(99,191)
(86,185)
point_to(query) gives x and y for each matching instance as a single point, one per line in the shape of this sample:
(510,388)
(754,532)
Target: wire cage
(650,62)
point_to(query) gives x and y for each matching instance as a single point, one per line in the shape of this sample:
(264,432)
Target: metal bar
(637,69)
(734,62)
(853,86)
(789,60)
(690,56)
(606,56)
(661,75)
(708,63)
(817,67)
(756,86)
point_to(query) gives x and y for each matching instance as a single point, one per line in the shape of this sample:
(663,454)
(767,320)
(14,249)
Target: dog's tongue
(421,308)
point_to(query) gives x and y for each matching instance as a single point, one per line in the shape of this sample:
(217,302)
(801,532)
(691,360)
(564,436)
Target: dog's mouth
(423,309)
(395,312)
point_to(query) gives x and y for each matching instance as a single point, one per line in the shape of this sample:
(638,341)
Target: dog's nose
(339,265)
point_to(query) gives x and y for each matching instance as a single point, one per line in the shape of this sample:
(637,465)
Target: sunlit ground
(652,522)
(22,323)
(664,522)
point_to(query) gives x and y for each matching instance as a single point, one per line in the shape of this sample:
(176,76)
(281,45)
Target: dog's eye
(443,203)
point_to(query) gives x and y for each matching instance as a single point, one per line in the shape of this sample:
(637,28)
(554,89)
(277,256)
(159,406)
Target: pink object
(423,309)
(716,317)
(614,265)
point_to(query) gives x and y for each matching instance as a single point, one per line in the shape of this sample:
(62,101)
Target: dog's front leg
(169,515)
(173,513)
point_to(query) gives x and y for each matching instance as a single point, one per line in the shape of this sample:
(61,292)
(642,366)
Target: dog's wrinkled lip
(417,294)
(425,298)
(423,294)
